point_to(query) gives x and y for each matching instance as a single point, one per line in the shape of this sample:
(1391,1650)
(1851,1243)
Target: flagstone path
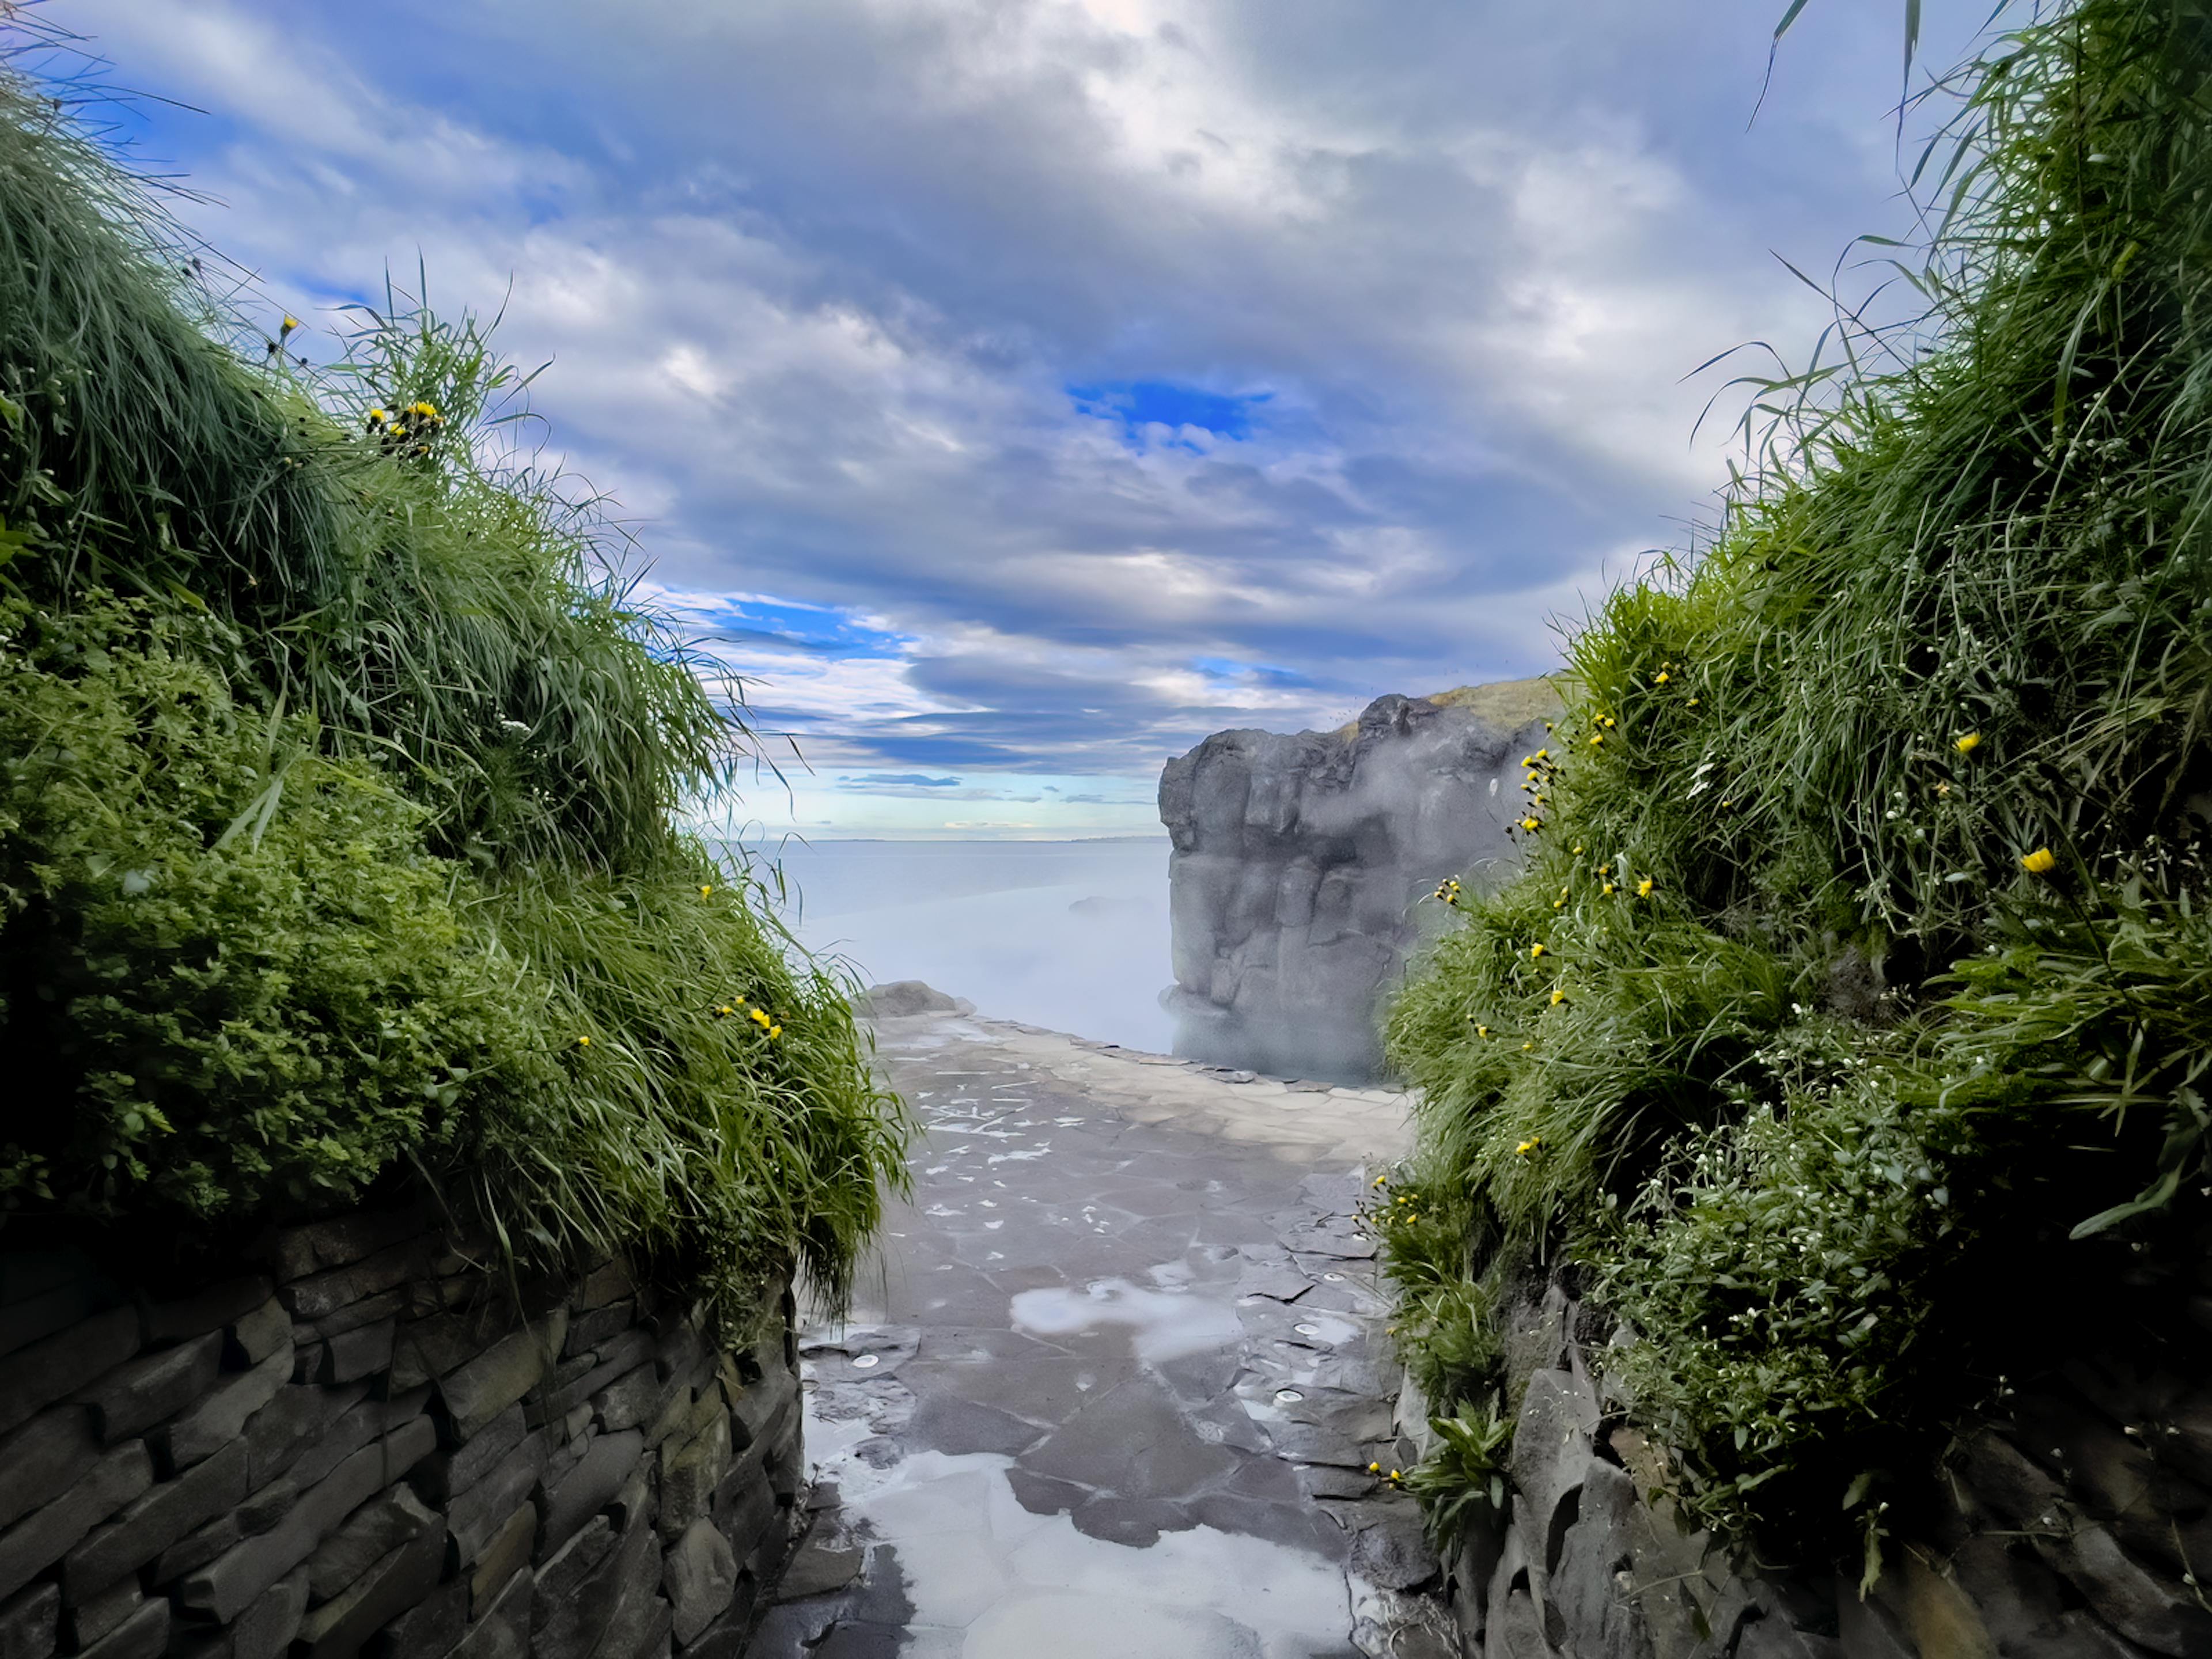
(1117,1390)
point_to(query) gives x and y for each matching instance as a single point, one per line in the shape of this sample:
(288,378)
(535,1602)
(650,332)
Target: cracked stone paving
(1118,1386)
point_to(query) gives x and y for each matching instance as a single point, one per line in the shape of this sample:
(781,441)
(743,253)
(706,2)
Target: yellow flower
(1559,996)
(775,1030)
(1543,754)
(1374,1468)
(1596,738)
(1535,950)
(759,1017)
(378,416)
(583,1042)
(1579,847)
(1393,1474)
(2041,862)
(724,1012)
(1693,703)
(1643,888)
(1532,823)
(1942,789)
(1525,1047)
(1382,1181)
(1527,1145)
(1663,678)
(290,322)
(1968,744)
(1482,1030)
(1608,890)
(706,892)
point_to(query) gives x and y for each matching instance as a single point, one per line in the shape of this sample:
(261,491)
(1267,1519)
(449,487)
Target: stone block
(142,1392)
(562,1623)
(142,1636)
(30,1623)
(265,1630)
(364,1538)
(1551,1450)
(403,1578)
(325,1293)
(587,1330)
(298,1252)
(195,1550)
(689,1472)
(210,1310)
(631,1581)
(43,1536)
(259,1332)
(1591,1582)
(34,1377)
(453,1470)
(259,1510)
(55,1308)
(564,1454)
(370,1311)
(2141,1605)
(478,1514)
(503,1630)
(589,1487)
(296,1418)
(428,1629)
(42,1457)
(359,1352)
(478,1391)
(641,1629)
(153,1520)
(750,1514)
(700,1575)
(366,1420)
(630,1401)
(754,1412)
(602,1285)
(229,1585)
(621,1356)
(634,1501)
(94,1616)
(221,1417)
(426,1349)
(506,1554)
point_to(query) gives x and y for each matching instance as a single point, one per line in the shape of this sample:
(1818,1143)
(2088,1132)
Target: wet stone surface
(1119,1387)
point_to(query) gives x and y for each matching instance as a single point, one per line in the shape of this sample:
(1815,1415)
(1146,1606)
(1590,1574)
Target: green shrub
(349,843)
(1865,873)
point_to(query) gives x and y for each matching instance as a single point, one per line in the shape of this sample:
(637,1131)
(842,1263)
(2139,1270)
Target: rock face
(1298,864)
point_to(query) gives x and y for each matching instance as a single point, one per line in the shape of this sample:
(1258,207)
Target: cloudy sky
(1016,390)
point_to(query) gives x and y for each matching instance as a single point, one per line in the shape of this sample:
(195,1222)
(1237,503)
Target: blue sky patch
(1247,673)
(789,625)
(1136,404)
(896,779)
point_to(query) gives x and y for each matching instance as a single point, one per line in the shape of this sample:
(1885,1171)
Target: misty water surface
(1072,935)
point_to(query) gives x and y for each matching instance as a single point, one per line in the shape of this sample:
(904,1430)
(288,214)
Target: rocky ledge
(1299,861)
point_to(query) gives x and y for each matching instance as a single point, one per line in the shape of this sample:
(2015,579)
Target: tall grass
(396,587)
(1935,694)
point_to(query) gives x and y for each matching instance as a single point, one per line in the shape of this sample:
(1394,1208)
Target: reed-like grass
(392,585)
(1935,693)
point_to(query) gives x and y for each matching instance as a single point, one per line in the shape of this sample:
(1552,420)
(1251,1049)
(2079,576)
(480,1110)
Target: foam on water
(1162,1324)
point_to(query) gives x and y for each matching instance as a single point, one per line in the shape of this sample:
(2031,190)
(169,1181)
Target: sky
(1011,393)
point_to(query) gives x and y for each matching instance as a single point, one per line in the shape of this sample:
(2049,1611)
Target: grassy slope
(1788,1046)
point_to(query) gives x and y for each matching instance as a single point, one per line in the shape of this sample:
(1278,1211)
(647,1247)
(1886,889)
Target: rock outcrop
(1299,863)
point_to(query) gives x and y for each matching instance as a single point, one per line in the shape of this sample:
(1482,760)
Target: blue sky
(1015,390)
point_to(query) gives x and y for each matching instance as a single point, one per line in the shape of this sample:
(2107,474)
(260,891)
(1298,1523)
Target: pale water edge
(1068,934)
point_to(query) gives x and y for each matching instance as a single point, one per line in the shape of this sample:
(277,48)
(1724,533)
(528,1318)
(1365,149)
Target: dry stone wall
(2073,1524)
(381,1444)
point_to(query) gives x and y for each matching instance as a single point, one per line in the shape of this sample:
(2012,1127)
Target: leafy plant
(1464,1477)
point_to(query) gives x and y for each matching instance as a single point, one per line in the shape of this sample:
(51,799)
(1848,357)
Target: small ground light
(1307,1330)
(1287,1396)
(865,1362)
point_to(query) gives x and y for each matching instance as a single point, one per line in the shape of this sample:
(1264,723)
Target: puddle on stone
(987,1579)
(1163,1324)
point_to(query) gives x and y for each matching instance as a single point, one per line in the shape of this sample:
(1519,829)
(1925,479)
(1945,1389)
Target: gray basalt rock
(1299,864)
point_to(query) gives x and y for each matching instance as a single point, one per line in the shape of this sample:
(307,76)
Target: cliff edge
(1298,861)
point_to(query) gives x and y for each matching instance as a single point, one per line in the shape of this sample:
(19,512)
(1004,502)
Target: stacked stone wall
(2074,1521)
(380,1443)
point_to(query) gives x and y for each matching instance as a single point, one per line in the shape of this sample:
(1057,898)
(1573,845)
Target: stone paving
(1118,1388)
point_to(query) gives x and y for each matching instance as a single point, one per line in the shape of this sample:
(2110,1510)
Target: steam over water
(1072,935)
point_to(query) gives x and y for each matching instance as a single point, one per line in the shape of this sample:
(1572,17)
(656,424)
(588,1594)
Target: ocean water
(1072,935)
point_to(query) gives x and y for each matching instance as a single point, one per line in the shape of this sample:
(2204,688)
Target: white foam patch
(1163,1324)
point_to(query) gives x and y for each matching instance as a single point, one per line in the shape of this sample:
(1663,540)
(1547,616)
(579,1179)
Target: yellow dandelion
(1663,678)
(1643,888)
(1482,1030)
(1608,889)
(1535,950)
(1374,1468)
(1579,847)
(775,1030)
(706,891)
(1968,744)
(1527,1145)
(1532,823)
(290,322)
(1693,703)
(1525,1047)
(1559,996)
(2041,862)
(1393,1474)
(1596,738)
(759,1017)
(583,1042)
